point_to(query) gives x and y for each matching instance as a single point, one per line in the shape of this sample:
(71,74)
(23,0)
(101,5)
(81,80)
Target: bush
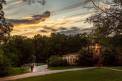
(56,61)
(109,57)
(17,70)
(4,64)
(86,58)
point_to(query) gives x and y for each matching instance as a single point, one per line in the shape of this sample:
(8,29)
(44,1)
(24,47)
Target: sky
(66,16)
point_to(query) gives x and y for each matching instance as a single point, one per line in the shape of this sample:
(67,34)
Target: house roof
(68,54)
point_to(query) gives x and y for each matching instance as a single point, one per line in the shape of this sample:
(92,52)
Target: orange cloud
(32,29)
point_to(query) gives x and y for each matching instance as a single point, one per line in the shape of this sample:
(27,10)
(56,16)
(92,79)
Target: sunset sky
(67,16)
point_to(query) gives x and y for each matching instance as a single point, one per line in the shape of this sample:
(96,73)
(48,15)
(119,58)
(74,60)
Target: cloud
(75,30)
(72,6)
(71,31)
(69,25)
(31,20)
(87,30)
(49,28)
(43,31)
(42,2)
(62,28)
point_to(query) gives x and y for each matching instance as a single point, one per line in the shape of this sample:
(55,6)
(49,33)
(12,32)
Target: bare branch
(97,7)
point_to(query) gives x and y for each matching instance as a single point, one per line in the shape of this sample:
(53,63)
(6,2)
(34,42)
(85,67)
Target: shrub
(86,58)
(56,61)
(17,70)
(4,64)
(109,57)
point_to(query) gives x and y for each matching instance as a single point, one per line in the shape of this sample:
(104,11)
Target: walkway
(112,69)
(40,73)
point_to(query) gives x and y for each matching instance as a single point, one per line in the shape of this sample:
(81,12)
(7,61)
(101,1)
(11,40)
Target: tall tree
(5,27)
(118,2)
(108,21)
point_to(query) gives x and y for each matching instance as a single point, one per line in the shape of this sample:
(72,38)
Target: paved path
(112,69)
(40,73)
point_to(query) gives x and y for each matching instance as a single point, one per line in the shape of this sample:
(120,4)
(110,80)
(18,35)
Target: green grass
(17,70)
(85,75)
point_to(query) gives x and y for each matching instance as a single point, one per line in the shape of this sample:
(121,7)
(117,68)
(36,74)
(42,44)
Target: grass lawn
(17,70)
(85,75)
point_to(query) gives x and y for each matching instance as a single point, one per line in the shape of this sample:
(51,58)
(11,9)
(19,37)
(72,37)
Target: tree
(86,57)
(42,48)
(57,61)
(107,24)
(118,2)
(5,27)
(62,44)
(20,50)
(109,57)
(108,20)
(4,63)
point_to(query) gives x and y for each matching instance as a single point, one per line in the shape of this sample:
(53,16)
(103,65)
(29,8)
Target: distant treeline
(20,50)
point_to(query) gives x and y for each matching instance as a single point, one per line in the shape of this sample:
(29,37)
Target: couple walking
(32,67)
